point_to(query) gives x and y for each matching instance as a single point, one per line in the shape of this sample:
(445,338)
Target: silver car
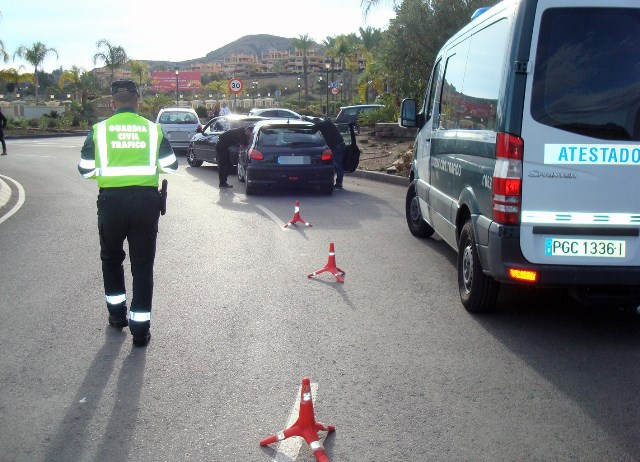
(179,124)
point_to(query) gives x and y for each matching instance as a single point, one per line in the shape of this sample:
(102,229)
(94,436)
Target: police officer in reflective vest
(125,154)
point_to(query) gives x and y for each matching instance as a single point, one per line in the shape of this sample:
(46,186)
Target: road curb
(379,176)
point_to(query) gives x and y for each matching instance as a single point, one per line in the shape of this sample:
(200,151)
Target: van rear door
(581,132)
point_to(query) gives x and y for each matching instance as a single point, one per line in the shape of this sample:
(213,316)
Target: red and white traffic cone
(330,266)
(306,426)
(296,217)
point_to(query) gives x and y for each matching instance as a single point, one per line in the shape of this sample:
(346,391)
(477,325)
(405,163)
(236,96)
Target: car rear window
(586,74)
(178,118)
(283,137)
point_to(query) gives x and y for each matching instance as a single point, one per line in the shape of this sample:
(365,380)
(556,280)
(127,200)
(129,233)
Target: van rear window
(587,72)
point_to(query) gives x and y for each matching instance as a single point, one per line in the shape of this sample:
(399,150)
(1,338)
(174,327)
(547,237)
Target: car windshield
(288,137)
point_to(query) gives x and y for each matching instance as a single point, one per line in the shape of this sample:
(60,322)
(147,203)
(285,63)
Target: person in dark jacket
(334,140)
(3,125)
(234,137)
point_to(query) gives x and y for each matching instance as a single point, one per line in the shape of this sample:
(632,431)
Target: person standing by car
(3,125)
(334,140)
(125,154)
(224,110)
(234,137)
(215,112)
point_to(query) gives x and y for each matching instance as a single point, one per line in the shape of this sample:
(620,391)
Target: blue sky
(170,31)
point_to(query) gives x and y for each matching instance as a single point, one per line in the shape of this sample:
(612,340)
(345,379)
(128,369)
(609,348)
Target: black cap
(124,85)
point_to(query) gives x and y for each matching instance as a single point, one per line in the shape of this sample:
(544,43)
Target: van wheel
(191,159)
(417,225)
(478,292)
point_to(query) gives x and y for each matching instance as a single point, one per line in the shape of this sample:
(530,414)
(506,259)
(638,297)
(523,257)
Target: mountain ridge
(257,44)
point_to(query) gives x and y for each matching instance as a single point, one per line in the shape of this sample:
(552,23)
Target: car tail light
(255,154)
(327,155)
(507,179)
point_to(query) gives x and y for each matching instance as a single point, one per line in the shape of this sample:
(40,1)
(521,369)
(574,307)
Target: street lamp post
(299,94)
(177,84)
(327,65)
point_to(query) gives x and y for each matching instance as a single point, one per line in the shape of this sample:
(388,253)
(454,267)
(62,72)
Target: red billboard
(168,81)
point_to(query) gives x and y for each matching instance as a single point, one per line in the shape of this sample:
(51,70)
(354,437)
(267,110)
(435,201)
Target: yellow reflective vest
(126,147)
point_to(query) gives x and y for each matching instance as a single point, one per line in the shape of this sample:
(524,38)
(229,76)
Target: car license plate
(294,160)
(179,136)
(584,247)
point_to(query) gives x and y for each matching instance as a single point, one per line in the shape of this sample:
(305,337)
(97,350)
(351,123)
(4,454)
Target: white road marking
(288,449)
(21,198)
(273,216)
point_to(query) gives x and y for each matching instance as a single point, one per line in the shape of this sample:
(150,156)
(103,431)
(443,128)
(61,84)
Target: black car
(286,153)
(202,147)
(351,114)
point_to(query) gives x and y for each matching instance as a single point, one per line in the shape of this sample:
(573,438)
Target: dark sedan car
(286,153)
(202,147)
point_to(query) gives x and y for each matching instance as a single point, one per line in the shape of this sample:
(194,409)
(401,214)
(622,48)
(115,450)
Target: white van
(527,159)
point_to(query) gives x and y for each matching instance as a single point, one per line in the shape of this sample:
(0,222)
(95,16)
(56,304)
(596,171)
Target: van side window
(473,79)
(586,74)
(483,77)
(452,87)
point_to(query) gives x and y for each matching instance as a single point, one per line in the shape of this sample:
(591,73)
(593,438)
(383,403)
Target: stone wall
(391,130)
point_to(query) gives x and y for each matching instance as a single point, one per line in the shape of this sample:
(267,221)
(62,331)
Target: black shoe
(141,340)
(118,322)
(338,186)
(226,185)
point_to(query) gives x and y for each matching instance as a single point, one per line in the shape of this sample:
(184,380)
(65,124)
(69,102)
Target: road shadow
(588,354)
(69,442)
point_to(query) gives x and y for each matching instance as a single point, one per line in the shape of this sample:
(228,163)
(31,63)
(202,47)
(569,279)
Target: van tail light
(507,179)
(523,275)
(327,155)
(255,154)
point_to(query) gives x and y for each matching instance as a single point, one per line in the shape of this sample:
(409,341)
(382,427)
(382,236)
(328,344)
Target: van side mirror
(408,113)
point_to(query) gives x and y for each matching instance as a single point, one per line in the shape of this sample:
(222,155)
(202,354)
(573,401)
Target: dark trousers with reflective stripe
(130,213)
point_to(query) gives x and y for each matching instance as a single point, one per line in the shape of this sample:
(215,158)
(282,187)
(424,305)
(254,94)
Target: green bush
(64,122)
(43,122)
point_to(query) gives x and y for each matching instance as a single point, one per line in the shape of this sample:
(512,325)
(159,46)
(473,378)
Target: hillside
(249,44)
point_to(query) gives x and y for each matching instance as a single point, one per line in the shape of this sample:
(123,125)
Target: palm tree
(74,77)
(114,57)
(347,48)
(304,43)
(139,69)
(15,76)
(35,56)
(370,42)
(3,51)
(367,5)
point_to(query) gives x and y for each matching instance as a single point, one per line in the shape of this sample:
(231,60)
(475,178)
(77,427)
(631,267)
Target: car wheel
(250,189)
(417,225)
(327,189)
(240,173)
(191,158)
(478,292)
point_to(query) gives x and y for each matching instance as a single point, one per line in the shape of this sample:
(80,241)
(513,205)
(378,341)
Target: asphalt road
(396,364)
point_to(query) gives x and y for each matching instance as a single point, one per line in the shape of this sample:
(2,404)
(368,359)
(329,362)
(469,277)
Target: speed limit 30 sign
(235,85)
